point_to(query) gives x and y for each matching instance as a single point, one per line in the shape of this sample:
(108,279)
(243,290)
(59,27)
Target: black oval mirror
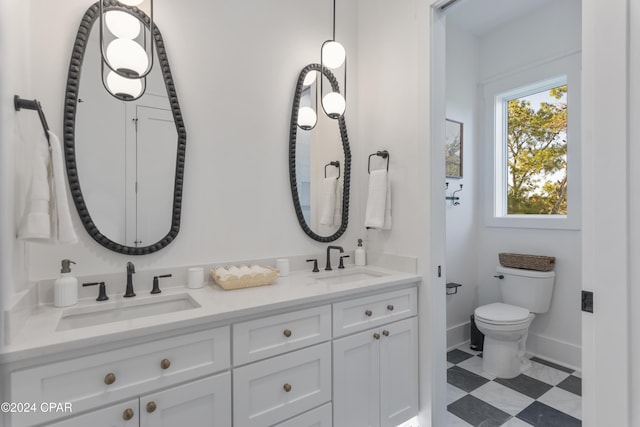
(125,160)
(319,166)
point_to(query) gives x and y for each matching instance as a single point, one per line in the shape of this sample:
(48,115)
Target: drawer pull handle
(165,363)
(390,307)
(376,336)
(127,414)
(287,333)
(151,406)
(287,387)
(110,378)
(368,313)
(385,333)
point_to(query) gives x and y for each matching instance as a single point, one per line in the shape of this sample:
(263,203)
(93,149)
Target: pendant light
(333,56)
(128,57)
(307,117)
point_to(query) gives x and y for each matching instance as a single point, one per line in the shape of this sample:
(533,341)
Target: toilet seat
(502,314)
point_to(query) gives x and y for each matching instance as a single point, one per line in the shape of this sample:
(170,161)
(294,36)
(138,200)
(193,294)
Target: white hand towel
(387,208)
(328,200)
(36,220)
(377,199)
(337,216)
(63,231)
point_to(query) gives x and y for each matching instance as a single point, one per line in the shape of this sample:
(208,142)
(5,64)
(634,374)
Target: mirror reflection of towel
(378,213)
(328,200)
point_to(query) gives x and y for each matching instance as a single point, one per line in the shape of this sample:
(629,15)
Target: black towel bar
(35,105)
(335,163)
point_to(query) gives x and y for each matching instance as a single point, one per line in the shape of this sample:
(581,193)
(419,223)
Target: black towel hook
(384,154)
(335,163)
(35,105)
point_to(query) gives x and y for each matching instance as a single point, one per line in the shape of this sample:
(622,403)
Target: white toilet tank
(526,288)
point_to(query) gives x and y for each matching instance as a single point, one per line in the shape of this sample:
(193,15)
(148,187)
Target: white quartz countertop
(39,336)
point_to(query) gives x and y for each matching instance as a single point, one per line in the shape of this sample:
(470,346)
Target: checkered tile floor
(545,395)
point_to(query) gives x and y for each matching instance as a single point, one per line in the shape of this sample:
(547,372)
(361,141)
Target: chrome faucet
(131,269)
(328,267)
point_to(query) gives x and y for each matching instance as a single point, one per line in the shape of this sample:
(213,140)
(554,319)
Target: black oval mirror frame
(70,102)
(292,157)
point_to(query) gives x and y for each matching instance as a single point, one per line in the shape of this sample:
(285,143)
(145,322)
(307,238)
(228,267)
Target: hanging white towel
(47,218)
(377,199)
(36,220)
(328,206)
(387,207)
(63,231)
(337,216)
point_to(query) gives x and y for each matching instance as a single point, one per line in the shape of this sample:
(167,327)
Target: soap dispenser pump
(360,255)
(66,286)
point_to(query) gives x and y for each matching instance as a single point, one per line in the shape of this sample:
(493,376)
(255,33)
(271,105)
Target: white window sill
(545,222)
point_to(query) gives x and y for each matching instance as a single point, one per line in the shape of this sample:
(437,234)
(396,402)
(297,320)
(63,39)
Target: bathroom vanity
(313,349)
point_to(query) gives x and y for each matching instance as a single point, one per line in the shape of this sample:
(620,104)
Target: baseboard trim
(554,350)
(457,335)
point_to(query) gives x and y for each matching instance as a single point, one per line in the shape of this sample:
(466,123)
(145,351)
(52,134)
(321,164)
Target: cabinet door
(122,415)
(202,403)
(398,372)
(356,380)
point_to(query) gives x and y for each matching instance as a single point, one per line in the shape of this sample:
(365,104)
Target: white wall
(513,48)
(462,74)
(235,67)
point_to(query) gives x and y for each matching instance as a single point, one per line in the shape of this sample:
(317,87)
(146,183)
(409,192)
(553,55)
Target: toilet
(506,324)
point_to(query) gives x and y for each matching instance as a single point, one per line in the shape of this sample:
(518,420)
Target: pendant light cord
(334,20)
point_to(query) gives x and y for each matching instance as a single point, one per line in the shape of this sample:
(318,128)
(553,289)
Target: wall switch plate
(587,301)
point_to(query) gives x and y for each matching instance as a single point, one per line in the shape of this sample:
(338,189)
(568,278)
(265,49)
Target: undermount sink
(124,310)
(348,276)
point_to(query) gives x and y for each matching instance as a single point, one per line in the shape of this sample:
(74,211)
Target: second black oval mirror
(319,164)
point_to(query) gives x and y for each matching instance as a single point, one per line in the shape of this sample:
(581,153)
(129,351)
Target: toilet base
(504,359)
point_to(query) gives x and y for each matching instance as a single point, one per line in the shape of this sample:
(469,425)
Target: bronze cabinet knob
(368,313)
(390,307)
(385,333)
(165,363)
(287,387)
(110,378)
(127,414)
(287,333)
(376,336)
(151,406)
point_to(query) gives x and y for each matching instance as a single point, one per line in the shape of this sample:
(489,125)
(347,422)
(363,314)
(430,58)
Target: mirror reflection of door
(151,174)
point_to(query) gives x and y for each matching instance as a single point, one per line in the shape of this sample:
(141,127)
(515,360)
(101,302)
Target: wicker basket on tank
(527,262)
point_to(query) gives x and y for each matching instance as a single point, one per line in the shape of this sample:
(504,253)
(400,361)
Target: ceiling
(479,17)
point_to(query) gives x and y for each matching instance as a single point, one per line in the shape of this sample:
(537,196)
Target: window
(536,151)
(533,133)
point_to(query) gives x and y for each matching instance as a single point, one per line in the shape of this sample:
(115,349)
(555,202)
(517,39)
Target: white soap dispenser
(361,255)
(66,287)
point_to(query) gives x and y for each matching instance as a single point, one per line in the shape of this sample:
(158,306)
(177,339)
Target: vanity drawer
(99,379)
(270,391)
(270,336)
(319,417)
(362,313)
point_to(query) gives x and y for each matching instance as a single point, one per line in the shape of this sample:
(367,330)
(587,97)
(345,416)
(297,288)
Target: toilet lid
(500,312)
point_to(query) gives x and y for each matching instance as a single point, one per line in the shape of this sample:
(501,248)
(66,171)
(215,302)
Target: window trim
(554,73)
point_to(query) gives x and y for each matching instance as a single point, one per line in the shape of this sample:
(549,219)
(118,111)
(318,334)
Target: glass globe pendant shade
(309,78)
(123,88)
(122,25)
(131,2)
(334,104)
(333,54)
(128,57)
(307,118)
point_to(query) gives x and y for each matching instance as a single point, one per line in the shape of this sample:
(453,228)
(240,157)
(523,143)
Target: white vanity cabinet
(269,391)
(93,381)
(375,372)
(201,403)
